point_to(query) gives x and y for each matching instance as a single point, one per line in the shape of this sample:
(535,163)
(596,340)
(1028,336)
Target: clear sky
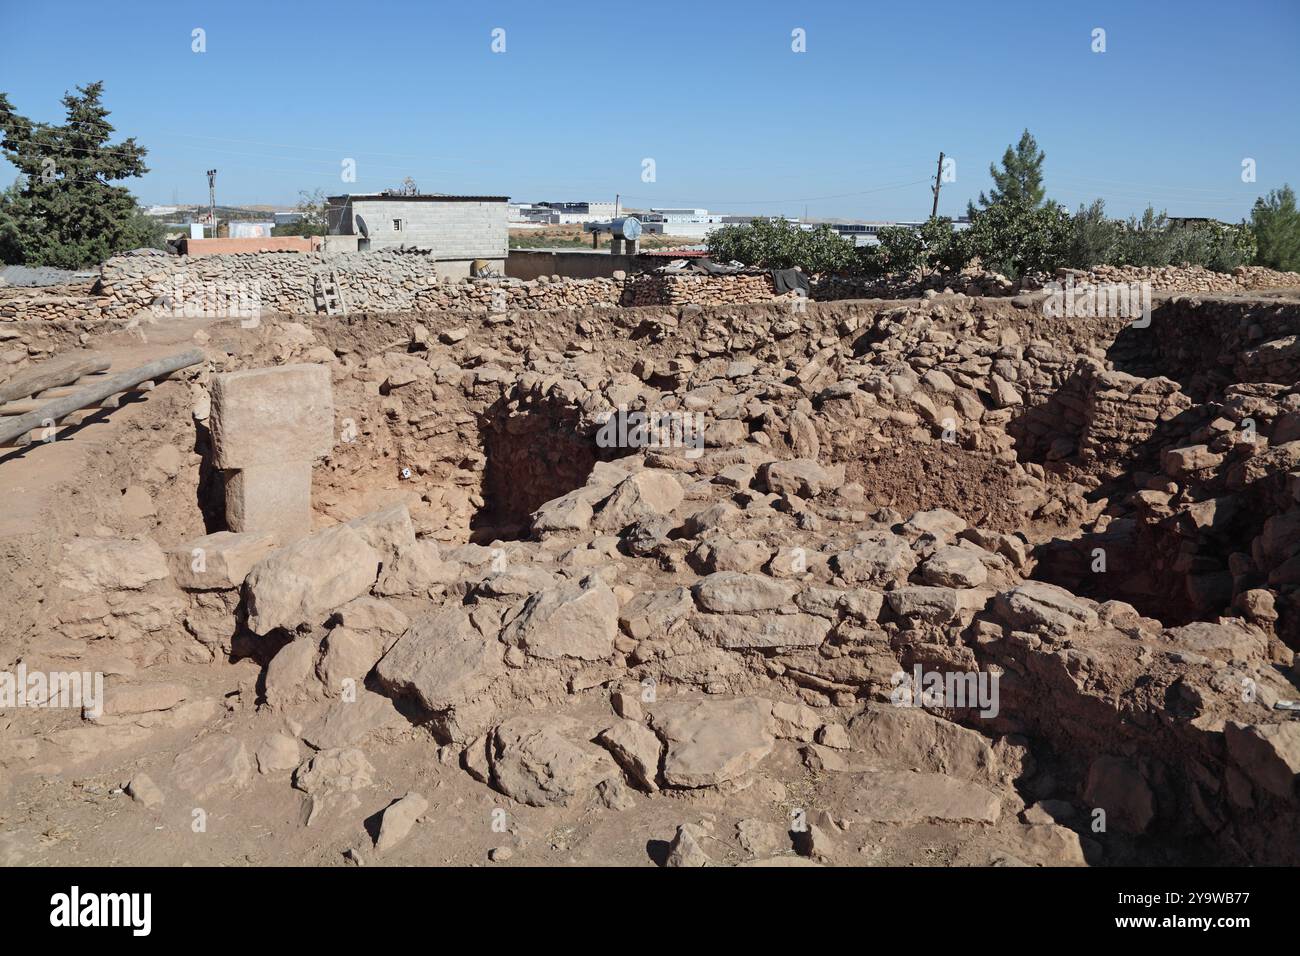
(711,90)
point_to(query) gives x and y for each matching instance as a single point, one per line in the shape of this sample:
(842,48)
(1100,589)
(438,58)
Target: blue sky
(734,120)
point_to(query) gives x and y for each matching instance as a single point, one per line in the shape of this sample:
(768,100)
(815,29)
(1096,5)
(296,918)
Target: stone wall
(279,281)
(657,288)
(397,280)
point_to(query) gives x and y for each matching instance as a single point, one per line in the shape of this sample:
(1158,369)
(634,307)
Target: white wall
(451,229)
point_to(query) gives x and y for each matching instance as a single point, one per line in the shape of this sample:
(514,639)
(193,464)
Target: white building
(695,223)
(456,229)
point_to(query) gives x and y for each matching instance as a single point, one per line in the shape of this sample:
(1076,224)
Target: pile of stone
(1180,279)
(659,288)
(502,295)
(685,624)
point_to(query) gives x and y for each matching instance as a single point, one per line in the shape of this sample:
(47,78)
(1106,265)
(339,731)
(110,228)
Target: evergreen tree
(1019,181)
(1277,230)
(64,211)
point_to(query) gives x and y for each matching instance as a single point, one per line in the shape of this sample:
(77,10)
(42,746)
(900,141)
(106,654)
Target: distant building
(528,213)
(251,230)
(572,213)
(864,233)
(746,220)
(695,223)
(287,218)
(456,229)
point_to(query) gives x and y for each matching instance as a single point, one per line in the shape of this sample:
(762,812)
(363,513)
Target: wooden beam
(21,426)
(60,370)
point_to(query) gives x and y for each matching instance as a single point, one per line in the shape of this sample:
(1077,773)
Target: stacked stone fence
(150,282)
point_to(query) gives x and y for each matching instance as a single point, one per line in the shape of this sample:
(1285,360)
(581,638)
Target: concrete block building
(456,229)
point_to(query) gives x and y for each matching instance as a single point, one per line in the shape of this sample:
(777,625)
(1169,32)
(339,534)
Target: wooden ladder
(329,294)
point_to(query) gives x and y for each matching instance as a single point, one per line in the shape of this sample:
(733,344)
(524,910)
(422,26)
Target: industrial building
(456,229)
(696,223)
(561,213)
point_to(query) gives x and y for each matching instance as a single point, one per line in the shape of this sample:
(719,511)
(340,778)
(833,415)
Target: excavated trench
(531,456)
(1178,446)
(1179,544)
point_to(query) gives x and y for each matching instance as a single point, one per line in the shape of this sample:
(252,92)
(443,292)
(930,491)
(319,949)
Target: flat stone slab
(577,620)
(218,764)
(739,631)
(731,592)
(348,722)
(710,742)
(910,798)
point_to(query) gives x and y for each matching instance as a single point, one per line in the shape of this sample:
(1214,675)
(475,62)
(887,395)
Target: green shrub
(1014,237)
(779,244)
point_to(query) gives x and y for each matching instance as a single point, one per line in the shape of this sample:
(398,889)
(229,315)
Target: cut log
(25,405)
(60,370)
(21,426)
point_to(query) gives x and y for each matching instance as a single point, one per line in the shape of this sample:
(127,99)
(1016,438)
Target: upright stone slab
(268,426)
(267,416)
(270,498)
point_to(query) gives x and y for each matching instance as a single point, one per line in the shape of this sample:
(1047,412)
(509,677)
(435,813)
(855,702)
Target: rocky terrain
(938,581)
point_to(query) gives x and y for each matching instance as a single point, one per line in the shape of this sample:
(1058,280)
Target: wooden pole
(61,370)
(938,178)
(19,427)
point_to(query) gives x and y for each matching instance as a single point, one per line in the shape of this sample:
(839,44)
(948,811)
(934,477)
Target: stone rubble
(720,640)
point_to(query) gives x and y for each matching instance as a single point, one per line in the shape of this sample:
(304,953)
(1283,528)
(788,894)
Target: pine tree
(1277,230)
(65,211)
(1019,181)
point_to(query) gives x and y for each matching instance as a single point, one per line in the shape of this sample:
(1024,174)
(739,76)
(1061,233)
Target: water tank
(628,227)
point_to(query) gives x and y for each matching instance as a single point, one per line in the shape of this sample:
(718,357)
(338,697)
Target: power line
(776,202)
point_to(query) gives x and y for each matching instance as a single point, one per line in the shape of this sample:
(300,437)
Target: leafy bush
(1153,240)
(1015,237)
(1214,245)
(945,249)
(1095,238)
(901,250)
(779,244)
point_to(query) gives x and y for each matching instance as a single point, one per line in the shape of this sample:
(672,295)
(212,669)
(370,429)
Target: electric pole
(212,199)
(938,178)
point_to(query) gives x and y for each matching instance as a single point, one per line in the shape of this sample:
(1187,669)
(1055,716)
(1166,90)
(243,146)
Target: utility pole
(617,197)
(938,178)
(212,200)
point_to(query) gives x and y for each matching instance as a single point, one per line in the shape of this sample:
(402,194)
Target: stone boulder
(303,583)
(578,620)
(710,742)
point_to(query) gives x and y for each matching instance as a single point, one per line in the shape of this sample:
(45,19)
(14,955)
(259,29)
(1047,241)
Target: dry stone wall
(398,280)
